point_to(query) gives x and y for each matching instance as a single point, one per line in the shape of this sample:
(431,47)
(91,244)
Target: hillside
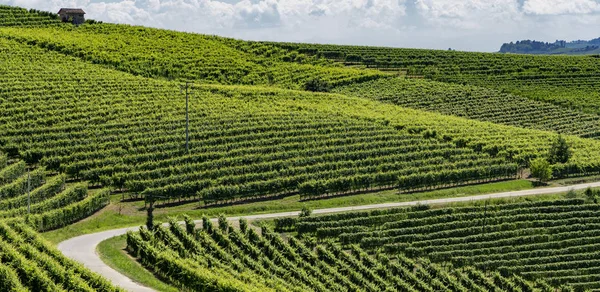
(253,262)
(129,132)
(135,138)
(173,55)
(124,116)
(538,240)
(107,108)
(478,103)
(20,17)
(542,78)
(579,47)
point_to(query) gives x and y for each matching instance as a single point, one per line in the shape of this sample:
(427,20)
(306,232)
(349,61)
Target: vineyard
(567,81)
(245,142)
(552,240)
(93,110)
(29,263)
(223,258)
(45,202)
(181,56)
(14,16)
(31,202)
(478,103)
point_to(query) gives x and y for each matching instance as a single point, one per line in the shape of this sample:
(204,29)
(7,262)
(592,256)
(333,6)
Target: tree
(541,169)
(305,212)
(317,85)
(560,151)
(591,195)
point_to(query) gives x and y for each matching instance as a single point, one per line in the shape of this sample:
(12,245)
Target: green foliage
(45,202)
(477,103)
(541,169)
(11,16)
(566,81)
(223,224)
(553,240)
(29,263)
(268,262)
(592,195)
(243,225)
(305,212)
(174,55)
(560,151)
(317,85)
(190,225)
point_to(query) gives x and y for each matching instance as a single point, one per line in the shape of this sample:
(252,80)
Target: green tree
(541,169)
(560,151)
(317,85)
(591,195)
(305,212)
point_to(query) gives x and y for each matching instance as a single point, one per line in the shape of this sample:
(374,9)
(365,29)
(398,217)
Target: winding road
(83,248)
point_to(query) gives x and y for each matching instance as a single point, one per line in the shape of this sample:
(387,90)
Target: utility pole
(150,215)
(151,199)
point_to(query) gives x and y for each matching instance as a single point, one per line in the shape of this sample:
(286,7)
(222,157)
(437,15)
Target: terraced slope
(226,258)
(29,263)
(129,132)
(45,202)
(552,240)
(166,54)
(16,16)
(567,81)
(478,103)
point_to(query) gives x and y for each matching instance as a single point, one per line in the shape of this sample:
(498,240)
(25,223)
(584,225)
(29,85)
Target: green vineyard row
(552,240)
(224,258)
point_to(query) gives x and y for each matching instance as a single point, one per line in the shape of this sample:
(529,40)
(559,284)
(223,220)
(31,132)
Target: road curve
(83,248)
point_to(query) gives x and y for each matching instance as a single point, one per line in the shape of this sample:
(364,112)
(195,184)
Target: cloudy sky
(474,25)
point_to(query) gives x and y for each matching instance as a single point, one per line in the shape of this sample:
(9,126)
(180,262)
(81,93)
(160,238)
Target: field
(551,240)
(251,261)
(96,134)
(29,263)
(543,78)
(46,202)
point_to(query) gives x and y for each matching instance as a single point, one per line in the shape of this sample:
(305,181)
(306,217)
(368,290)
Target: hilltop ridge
(559,47)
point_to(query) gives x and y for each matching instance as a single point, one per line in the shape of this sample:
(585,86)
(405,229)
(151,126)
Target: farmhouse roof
(71,10)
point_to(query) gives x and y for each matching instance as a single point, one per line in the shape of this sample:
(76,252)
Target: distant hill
(559,47)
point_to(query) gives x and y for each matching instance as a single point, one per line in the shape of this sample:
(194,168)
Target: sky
(470,25)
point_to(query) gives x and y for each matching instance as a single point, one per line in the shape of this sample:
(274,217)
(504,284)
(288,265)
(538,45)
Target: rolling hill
(97,109)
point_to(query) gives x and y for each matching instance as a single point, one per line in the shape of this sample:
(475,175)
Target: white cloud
(460,24)
(556,7)
(261,14)
(468,14)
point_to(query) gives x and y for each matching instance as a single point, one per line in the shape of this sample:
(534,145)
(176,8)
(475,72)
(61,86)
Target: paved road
(83,248)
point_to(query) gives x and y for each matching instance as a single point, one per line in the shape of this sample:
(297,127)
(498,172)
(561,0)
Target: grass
(577,180)
(113,253)
(128,214)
